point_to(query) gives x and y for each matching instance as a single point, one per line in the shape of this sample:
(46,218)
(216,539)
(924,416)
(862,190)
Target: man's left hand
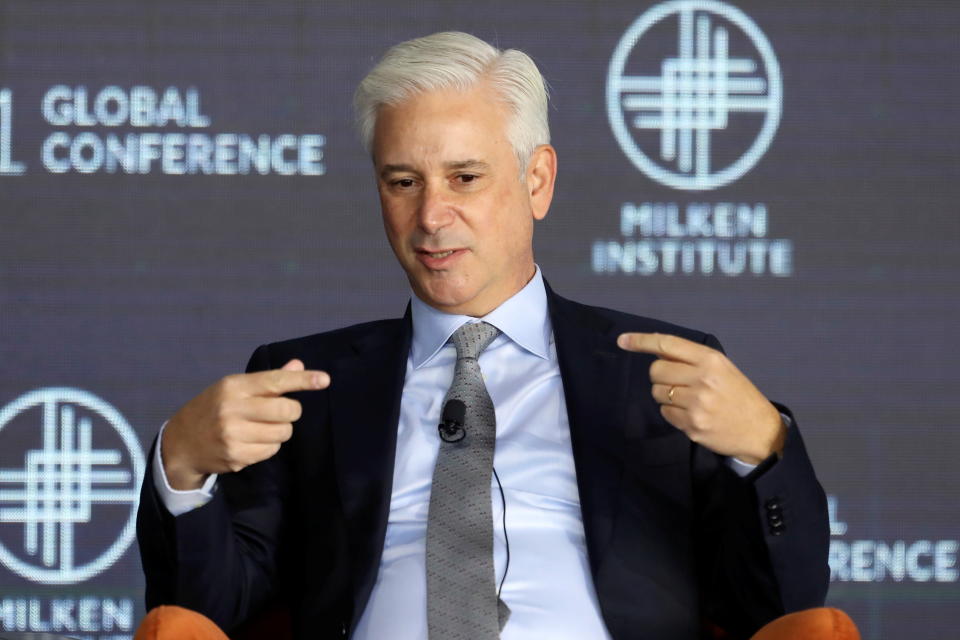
(702,393)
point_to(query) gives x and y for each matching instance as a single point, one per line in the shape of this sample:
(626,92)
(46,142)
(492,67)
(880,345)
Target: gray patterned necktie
(462,601)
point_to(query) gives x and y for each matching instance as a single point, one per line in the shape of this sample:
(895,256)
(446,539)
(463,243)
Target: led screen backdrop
(180,182)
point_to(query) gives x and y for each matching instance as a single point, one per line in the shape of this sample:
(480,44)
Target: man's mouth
(437,253)
(438,259)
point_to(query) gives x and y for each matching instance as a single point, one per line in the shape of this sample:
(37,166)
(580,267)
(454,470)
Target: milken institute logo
(700,87)
(61,484)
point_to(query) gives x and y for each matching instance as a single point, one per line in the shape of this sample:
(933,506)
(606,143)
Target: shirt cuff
(743,469)
(179,502)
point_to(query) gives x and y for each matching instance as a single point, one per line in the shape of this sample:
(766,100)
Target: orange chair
(812,624)
(176,623)
(168,622)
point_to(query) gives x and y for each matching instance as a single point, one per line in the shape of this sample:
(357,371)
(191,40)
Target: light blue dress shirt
(548,587)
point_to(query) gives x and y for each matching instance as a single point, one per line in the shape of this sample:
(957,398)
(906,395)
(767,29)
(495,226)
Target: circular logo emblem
(694,93)
(78,462)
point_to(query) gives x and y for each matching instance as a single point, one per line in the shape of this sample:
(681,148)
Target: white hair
(459,61)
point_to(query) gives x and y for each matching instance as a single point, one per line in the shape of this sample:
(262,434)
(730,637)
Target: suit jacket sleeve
(220,559)
(763,540)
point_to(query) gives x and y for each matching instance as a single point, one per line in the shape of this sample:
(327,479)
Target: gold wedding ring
(670,395)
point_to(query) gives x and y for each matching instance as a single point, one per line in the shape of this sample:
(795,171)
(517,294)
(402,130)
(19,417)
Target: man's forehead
(445,108)
(441,130)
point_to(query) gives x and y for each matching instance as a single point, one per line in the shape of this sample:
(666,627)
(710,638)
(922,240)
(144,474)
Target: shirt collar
(523,318)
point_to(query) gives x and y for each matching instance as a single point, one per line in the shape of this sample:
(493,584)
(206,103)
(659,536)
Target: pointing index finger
(662,345)
(277,382)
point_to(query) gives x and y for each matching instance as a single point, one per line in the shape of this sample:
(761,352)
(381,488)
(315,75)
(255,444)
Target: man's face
(458,218)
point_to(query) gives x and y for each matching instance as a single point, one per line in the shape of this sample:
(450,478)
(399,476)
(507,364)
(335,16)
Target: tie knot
(472,338)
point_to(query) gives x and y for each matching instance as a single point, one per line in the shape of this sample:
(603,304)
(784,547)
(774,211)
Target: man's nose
(436,210)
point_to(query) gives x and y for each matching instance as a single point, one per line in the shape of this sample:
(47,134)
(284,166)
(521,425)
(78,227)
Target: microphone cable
(503,501)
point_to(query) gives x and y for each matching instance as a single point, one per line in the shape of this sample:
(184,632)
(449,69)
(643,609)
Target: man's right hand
(240,420)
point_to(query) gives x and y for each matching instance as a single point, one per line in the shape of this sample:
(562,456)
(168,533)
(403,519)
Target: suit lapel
(365,410)
(594,373)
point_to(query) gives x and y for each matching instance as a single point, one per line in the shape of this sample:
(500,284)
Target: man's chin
(445,302)
(450,299)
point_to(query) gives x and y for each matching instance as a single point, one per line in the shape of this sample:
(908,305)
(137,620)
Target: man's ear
(541,176)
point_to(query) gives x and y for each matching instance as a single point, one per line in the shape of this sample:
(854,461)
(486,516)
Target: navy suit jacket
(674,537)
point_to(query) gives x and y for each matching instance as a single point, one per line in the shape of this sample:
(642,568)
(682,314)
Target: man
(648,487)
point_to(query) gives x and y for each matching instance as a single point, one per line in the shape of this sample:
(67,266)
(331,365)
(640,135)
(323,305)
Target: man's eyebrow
(454,165)
(396,168)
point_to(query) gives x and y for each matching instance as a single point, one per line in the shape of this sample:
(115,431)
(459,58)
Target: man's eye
(405,183)
(466,177)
